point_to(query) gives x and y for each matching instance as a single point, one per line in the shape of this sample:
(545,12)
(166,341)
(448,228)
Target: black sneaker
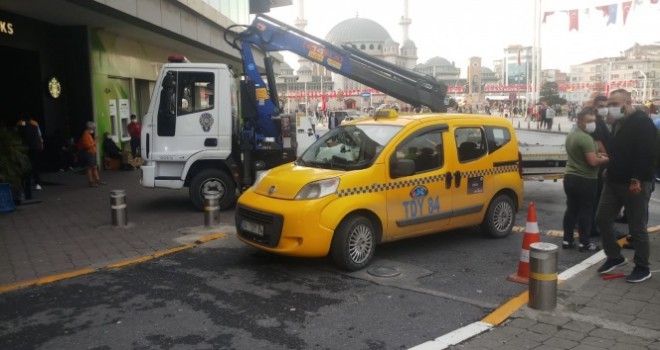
(591,247)
(567,244)
(612,264)
(639,274)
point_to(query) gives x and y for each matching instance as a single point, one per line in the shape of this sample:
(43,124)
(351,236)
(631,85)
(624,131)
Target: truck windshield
(349,147)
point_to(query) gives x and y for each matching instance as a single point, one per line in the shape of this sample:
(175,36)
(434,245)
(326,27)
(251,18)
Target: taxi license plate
(252,227)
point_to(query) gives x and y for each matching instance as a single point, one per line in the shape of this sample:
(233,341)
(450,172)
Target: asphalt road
(225,295)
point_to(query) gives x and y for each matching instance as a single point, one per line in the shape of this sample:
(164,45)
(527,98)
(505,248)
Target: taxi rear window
(497,137)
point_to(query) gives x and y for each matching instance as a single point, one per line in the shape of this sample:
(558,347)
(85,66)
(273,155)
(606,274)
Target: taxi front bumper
(287,227)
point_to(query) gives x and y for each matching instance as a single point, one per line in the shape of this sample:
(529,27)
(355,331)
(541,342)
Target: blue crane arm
(268,35)
(409,86)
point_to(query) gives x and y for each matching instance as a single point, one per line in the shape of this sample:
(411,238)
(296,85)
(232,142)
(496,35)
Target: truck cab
(187,132)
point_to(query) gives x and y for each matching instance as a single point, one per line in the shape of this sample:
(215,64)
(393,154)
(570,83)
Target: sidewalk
(560,124)
(591,313)
(71,228)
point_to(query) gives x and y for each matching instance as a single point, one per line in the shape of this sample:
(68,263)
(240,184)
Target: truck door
(473,175)
(419,200)
(186,120)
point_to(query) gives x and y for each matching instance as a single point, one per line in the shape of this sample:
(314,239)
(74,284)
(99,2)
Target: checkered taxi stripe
(377,187)
(491,171)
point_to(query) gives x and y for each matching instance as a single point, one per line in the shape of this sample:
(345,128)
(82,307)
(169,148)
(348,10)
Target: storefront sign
(54,87)
(6,28)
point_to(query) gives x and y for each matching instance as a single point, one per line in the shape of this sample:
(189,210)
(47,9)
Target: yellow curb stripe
(10,287)
(503,312)
(211,238)
(653,229)
(173,250)
(129,261)
(62,276)
(543,276)
(85,271)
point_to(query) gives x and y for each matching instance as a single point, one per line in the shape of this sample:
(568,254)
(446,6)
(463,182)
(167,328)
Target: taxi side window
(470,143)
(425,150)
(497,137)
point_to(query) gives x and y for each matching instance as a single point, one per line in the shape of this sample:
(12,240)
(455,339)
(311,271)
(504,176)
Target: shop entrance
(20,90)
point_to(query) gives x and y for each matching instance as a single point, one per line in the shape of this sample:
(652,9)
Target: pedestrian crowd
(613,158)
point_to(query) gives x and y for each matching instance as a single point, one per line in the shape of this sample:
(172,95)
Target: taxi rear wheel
(500,217)
(354,243)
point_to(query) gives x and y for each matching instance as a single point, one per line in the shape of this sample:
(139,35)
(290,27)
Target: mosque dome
(357,30)
(438,61)
(409,44)
(486,70)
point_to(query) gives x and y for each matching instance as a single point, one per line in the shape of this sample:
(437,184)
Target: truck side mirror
(402,167)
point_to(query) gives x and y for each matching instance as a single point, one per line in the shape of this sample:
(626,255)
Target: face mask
(590,127)
(616,112)
(602,112)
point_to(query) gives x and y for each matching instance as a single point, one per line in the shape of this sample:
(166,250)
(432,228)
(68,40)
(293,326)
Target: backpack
(549,113)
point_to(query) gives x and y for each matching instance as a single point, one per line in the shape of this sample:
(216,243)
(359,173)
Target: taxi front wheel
(500,216)
(354,243)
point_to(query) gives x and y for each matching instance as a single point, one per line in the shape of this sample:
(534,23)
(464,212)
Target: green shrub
(14,161)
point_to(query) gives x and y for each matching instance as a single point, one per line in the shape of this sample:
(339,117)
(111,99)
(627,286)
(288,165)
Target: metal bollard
(543,276)
(211,208)
(118,208)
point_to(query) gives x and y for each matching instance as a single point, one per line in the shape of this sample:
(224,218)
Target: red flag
(605,9)
(626,9)
(547,14)
(519,57)
(573,22)
(654,1)
(323,106)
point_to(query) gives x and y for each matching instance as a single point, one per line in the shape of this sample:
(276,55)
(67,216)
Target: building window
(380,47)
(371,47)
(362,47)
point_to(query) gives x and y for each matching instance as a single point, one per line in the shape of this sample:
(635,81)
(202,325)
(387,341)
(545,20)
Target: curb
(115,265)
(502,313)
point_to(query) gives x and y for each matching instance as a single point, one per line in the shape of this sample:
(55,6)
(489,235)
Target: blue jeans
(614,197)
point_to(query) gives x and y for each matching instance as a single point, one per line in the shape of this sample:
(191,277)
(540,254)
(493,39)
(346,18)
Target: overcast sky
(460,29)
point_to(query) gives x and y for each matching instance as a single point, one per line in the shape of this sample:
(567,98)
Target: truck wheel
(212,179)
(354,243)
(500,216)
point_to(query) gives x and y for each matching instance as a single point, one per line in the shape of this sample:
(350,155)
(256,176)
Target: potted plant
(14,162)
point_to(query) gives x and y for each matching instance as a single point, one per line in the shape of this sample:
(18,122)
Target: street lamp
(644,87)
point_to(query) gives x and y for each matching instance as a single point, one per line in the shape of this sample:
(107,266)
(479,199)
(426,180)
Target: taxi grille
(271,223)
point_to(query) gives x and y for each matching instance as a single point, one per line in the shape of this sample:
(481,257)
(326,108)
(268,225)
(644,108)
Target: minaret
(405,21)
(301,23)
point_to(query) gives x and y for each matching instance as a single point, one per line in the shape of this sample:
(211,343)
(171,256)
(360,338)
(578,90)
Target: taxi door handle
(457,179)
(448,179)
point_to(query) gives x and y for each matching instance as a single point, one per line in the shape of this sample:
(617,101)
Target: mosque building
(305,86)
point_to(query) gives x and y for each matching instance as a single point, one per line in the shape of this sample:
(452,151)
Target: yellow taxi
(382,179)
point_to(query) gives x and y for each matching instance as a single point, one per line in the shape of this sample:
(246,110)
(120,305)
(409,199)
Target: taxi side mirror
(402,167)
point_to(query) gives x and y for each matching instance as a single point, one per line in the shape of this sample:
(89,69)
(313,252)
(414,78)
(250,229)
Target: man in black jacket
(628,181)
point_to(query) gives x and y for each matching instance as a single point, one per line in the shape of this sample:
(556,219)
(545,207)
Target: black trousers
(580,203)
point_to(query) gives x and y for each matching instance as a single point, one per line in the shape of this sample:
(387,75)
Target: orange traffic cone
(532,235)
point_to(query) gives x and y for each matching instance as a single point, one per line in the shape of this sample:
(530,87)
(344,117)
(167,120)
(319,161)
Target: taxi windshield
(348,147)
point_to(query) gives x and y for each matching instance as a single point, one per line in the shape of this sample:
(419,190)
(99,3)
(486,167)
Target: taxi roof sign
(386,113)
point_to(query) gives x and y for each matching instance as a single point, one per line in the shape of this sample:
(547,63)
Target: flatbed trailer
(543,162)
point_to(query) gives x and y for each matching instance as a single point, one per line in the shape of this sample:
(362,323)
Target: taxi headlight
(260,176)
(318,189)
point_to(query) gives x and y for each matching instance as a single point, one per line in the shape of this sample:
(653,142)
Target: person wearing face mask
(628,181)
(601,136)
(581,180)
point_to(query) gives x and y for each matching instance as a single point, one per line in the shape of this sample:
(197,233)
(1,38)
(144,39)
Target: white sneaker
(37,187)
